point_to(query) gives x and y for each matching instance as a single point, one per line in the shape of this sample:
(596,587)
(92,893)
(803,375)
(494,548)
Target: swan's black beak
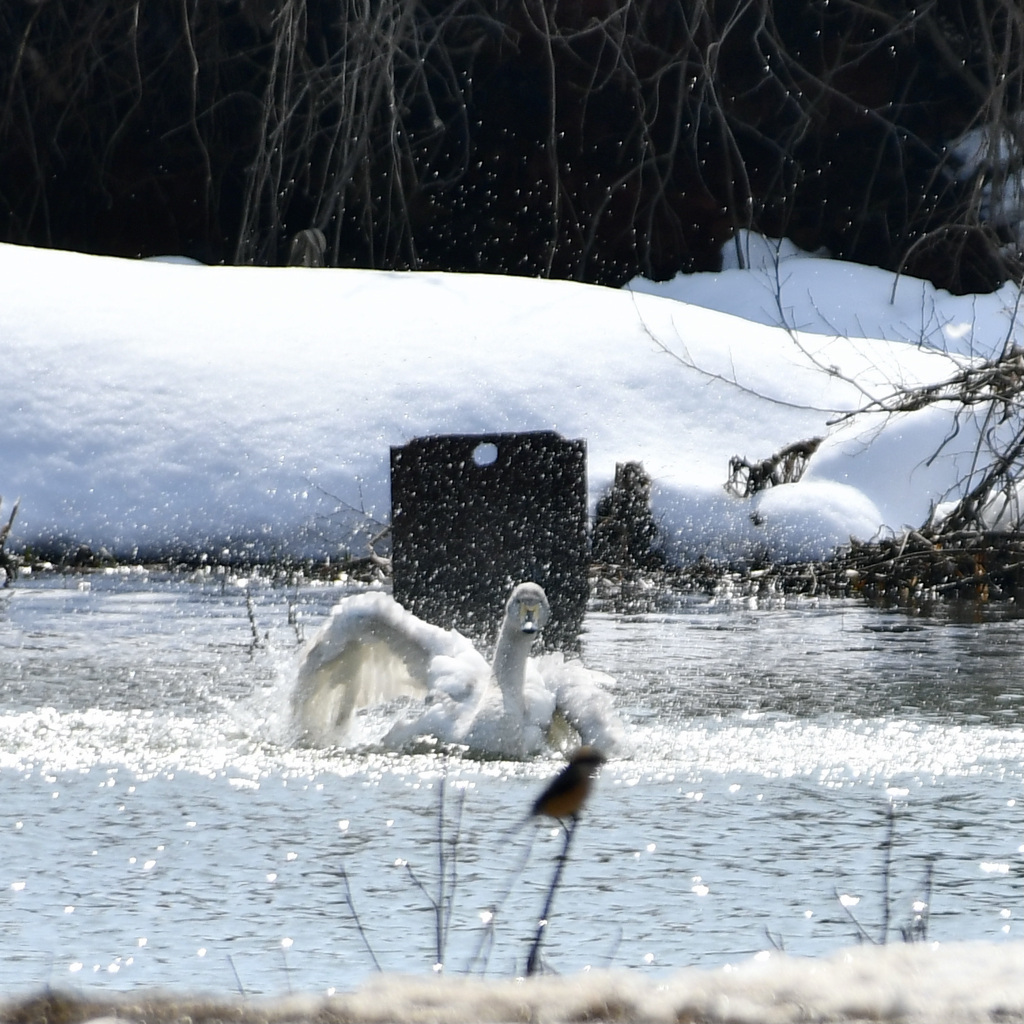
(530,615)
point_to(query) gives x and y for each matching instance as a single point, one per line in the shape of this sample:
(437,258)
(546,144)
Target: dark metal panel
(474,514)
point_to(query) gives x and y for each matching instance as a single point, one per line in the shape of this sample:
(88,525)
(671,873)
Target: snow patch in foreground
(960,983)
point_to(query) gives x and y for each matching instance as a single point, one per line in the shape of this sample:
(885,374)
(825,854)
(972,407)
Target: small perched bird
(563,798)
(567,792)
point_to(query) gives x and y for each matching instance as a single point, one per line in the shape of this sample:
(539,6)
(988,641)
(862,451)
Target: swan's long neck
(510,658)
(525,615)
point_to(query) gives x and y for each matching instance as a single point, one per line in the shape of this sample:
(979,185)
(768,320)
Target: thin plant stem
(491,919)
(533,960)
(442,903)
(890,839)
(355,917)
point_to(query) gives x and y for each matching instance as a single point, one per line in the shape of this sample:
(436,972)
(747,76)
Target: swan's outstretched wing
(583,701)
(370,650)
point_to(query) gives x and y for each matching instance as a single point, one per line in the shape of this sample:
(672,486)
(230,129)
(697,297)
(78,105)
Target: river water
(158,827)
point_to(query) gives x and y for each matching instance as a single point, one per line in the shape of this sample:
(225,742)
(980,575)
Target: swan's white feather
(583,699)
(372,650)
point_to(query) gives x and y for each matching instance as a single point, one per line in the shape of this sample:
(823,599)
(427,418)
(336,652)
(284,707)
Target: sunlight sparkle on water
(764,754)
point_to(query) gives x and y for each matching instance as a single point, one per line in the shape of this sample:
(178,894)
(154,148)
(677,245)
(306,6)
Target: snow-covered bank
(955,984)
(152,406)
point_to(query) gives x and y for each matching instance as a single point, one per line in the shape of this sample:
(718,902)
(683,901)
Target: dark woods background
(586,139)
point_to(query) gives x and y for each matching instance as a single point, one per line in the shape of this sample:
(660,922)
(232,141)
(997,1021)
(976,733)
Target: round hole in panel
(485,453)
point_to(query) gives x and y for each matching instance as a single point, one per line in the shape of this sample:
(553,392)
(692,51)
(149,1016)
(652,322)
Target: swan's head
(528,610)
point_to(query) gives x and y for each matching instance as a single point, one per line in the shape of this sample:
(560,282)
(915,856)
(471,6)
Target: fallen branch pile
(970,564)
(905,570)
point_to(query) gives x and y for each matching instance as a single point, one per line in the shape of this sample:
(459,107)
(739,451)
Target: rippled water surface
(158,827)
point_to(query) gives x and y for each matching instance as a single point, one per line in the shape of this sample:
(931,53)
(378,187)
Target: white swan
(372,650)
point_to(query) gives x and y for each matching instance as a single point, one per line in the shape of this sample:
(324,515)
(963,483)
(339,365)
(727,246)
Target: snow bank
(155,406)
